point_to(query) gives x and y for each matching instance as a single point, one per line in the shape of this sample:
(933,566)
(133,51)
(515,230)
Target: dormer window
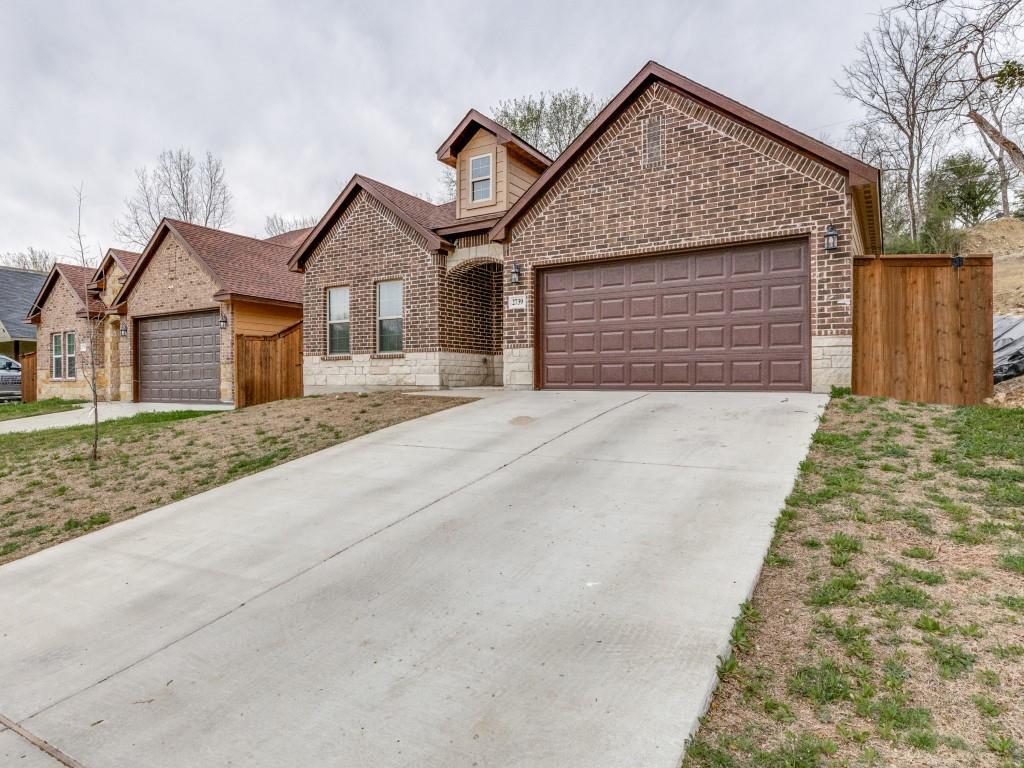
(480,178)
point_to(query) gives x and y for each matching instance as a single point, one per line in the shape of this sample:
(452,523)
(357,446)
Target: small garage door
(179,358)
(734,318)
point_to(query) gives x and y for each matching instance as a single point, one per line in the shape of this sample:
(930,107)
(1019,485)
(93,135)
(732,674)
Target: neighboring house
(192,289)
(683,241)
(168,315)
(62,312)
(17,289)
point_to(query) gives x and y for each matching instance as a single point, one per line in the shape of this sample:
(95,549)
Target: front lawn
(51,492)
(887,628)
(38,408)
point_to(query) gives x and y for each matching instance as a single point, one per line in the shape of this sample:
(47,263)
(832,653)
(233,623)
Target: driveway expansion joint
(39,743)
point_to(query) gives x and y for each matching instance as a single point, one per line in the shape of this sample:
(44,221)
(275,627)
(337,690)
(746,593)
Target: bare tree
(981,51)
(34,259)
(178,187)
(94,321)
(276,224)
(900,78)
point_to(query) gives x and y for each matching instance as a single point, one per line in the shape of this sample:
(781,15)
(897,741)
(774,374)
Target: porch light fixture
(123,330)
(831,238)
(514,276)
(223,322)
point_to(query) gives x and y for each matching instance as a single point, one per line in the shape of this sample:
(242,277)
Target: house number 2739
(517,302)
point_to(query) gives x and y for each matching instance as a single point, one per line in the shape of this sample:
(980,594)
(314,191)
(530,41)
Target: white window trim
(399,316)
(489,177)
(330,322)
(63,357)
(55,357)
(73,356)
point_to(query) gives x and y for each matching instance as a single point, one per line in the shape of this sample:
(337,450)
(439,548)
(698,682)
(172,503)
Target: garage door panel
(725,319)
(709,302)
(748,264)
(643,307)
(179,358)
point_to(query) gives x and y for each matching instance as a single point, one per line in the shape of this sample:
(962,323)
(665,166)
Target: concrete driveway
(82,414)
(534,579)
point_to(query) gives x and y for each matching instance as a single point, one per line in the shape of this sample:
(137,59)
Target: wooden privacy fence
(268,367)
(922,327)
(28,377)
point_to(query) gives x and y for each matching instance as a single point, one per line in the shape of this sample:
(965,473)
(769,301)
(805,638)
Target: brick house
(62,312)
(683,241)
(168,316)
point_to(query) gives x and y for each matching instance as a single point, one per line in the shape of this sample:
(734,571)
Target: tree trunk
(911,204)
(1013,151)
(1004,184)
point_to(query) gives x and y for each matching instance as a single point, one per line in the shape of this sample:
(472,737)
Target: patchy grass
(891,605)
(51,492)
(38,408)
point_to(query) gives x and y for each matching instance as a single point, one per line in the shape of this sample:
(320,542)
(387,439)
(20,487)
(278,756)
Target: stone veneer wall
(831,362)
(422,370)
(707,181)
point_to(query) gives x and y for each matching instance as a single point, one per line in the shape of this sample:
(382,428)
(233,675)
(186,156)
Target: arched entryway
(471,324)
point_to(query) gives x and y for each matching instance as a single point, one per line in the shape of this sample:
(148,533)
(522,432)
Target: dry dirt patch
(1004,239)
(888,624)
(51,492)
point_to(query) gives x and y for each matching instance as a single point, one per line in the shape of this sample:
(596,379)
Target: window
(69,354)
(58,356)
(62,345)
(337,322)
(480,178)
(389,316)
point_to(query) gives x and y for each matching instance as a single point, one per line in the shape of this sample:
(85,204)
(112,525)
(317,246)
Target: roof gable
(859,173)
(421,216)
(474,121)
(77,279)
(239,266)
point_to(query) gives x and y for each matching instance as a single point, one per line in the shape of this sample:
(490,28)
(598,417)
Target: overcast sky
(297,95)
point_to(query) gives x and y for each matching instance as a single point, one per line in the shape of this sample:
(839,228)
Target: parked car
(10,379)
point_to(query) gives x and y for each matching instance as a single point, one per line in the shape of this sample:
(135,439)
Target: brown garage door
(734,318)
(179,358)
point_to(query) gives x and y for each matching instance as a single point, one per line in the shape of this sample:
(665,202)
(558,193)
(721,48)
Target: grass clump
(823,683)
(836,591)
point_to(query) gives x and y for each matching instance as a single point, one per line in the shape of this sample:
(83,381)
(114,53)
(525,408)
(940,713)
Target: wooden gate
(268,367)
(28,377)
(922,327)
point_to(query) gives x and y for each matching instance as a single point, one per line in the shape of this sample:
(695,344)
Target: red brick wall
(471,318)
(715,182)
(366,245)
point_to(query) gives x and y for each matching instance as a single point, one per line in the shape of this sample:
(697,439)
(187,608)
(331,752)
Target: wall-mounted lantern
(831,238)
(515,274)
(223,322)
(123,330)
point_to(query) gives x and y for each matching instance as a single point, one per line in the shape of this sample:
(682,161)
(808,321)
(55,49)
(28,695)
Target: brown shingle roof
(126,259)
(422,216)
(78,279)
(239,266)
(243,265)
(293,238)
